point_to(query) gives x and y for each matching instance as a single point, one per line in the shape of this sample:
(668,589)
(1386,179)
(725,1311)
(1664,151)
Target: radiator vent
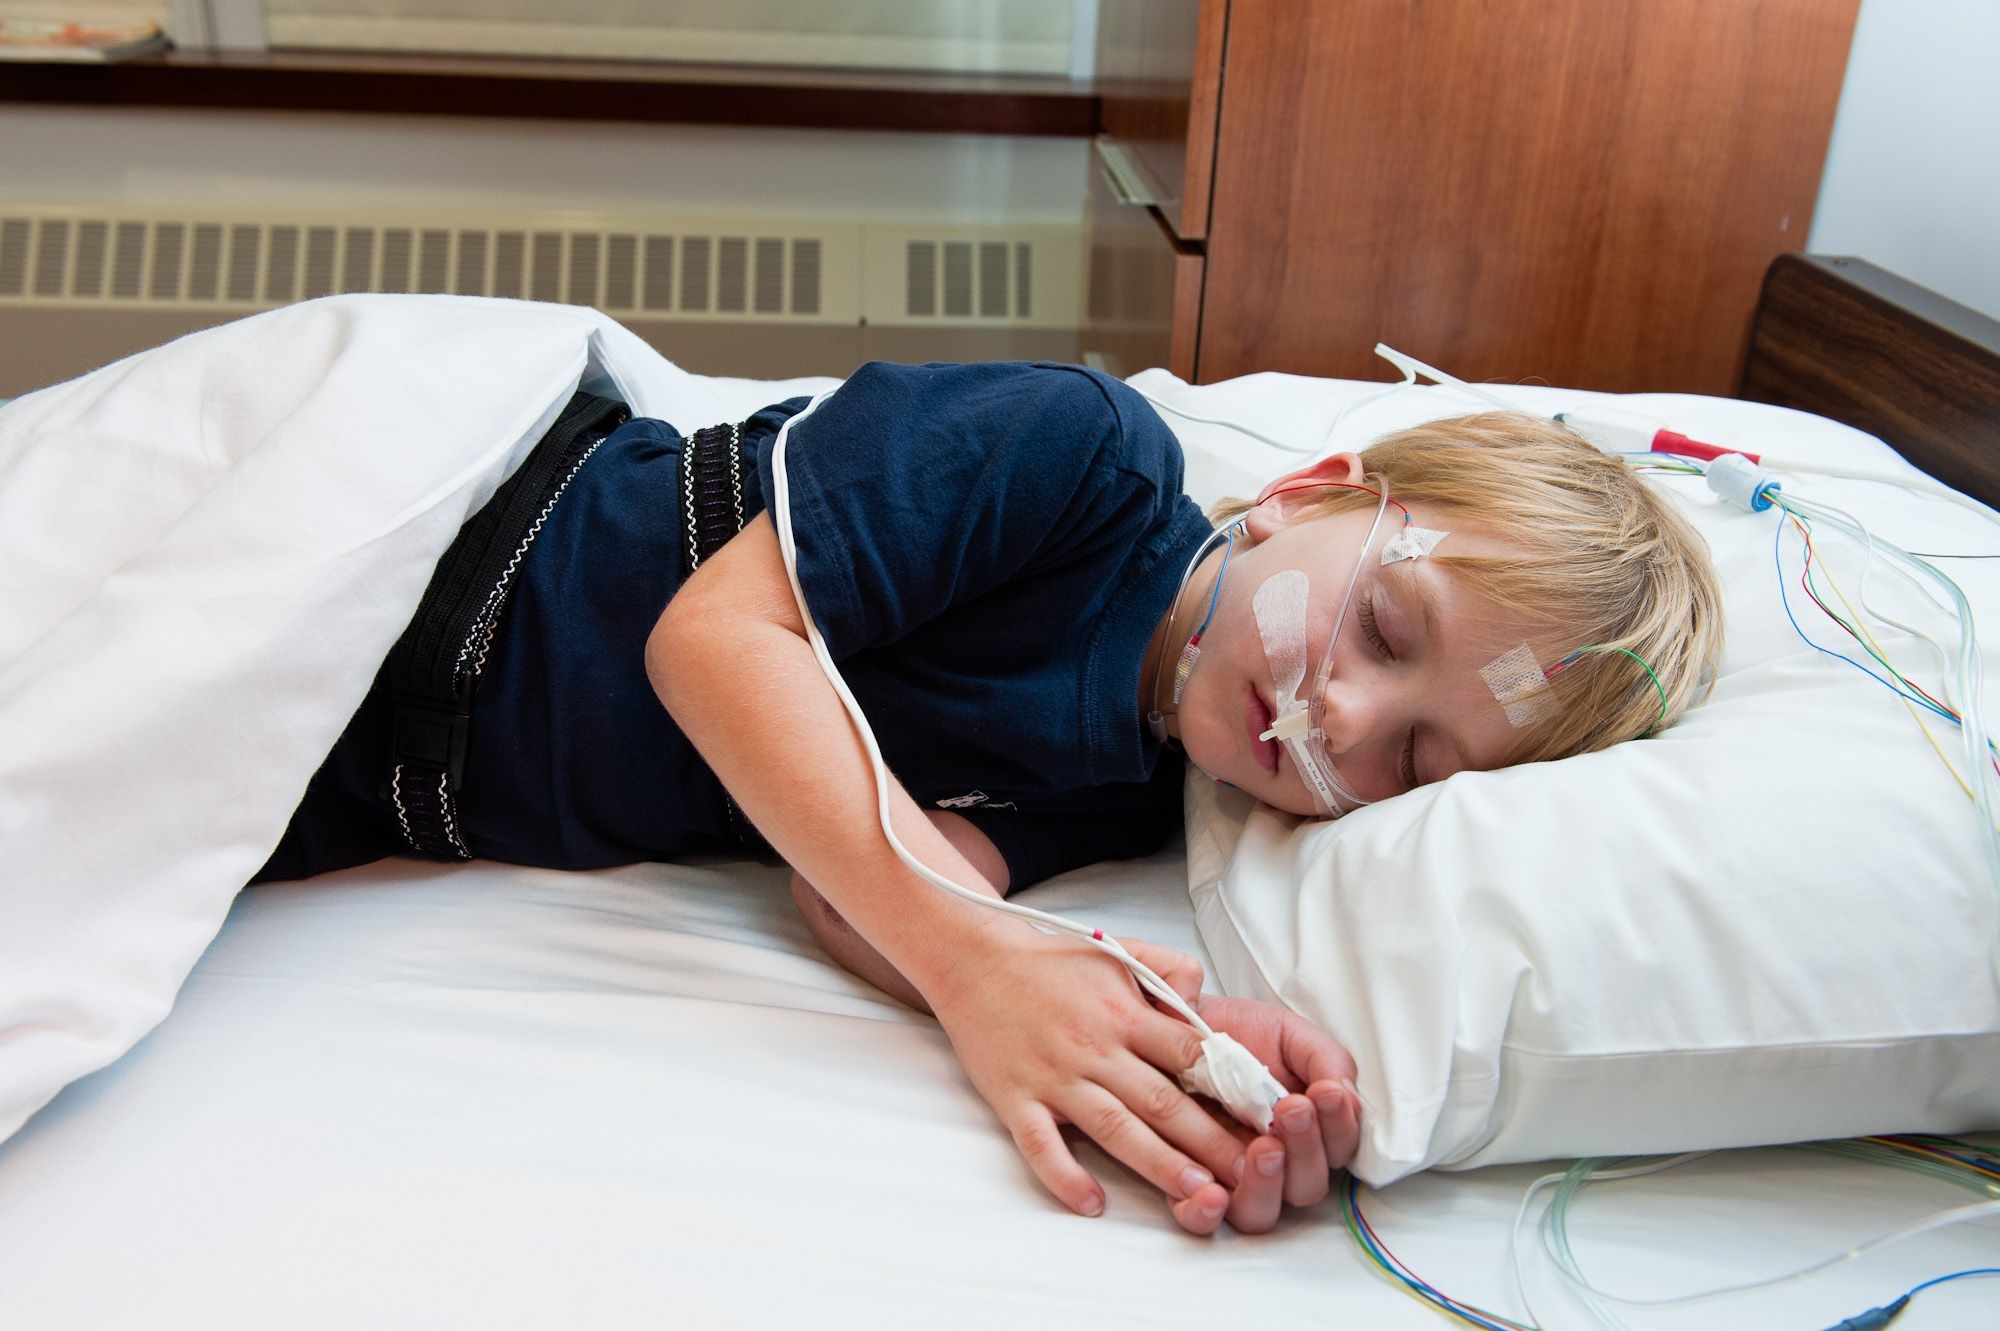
(832,272)
(965,279)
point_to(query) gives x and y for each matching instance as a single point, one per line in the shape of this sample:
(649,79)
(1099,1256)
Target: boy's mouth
(1257,720)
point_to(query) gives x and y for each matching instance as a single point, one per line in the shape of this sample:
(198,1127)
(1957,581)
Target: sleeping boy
(1041,629)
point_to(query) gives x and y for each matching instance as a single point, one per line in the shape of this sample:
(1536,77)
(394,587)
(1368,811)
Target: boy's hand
(1316,1129)
(1051,1031)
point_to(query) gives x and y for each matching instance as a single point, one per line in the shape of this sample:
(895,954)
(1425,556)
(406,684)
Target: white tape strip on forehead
(1412,542)
(1520,685)
(1280,608)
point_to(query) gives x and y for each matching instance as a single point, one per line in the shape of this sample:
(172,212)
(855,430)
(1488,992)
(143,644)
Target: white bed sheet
(491,1097)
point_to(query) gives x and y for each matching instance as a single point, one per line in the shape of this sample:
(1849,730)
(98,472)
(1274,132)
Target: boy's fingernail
(1269,1163)
(1297,1119)
(1193,1180)
(1093,1206)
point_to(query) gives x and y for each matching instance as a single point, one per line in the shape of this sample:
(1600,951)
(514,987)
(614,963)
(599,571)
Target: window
(1049,37)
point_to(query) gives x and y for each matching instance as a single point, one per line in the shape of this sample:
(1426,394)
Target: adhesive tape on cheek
(1226,1072)
(1280,610)
(1520,685)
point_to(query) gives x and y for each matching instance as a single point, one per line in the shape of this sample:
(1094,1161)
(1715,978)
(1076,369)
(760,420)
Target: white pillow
(1769,923)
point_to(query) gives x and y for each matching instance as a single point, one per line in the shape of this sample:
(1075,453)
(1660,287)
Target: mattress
(481,1096)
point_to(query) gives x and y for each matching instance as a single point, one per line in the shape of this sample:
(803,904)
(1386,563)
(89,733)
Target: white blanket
(205,551)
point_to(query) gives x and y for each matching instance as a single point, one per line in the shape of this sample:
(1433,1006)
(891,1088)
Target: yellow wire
(1882,654)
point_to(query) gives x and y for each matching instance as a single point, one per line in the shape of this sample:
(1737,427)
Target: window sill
(651,92)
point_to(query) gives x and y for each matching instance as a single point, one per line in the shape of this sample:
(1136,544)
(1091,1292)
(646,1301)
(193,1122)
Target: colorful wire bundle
(1965,1163)
(1911,693)
(1407,1280)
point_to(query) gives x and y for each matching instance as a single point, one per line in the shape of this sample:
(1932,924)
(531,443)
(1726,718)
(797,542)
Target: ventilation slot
(805,277)
(51,258)
(14,233)
(828,270)
(963,279)
(251,264)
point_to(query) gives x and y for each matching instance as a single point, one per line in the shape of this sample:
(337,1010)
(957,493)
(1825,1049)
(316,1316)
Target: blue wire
(1955,1275)
(1436,1298)
(1216,595)
(1777,560)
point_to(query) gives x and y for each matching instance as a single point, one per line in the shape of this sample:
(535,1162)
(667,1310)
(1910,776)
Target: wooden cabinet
(1585,192)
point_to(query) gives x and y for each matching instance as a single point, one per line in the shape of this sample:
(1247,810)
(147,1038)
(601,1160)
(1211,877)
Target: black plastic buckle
(432,734)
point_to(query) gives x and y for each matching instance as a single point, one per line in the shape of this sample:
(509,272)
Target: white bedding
(413,1096)
(482,1097)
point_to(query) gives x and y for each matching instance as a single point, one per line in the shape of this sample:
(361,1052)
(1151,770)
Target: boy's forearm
(752,699)
(854,952)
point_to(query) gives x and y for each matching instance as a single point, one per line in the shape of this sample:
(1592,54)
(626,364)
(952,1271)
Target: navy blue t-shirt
(987,549)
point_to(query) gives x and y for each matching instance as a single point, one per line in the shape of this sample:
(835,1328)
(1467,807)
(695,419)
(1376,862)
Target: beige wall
(81,157)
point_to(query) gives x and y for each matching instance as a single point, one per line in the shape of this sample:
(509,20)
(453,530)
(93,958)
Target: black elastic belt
(434,667)
(711,513)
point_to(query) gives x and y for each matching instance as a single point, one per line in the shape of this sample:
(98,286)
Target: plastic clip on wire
(1224,1070)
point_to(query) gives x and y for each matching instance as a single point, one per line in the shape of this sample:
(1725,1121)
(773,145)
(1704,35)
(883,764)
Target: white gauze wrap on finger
(1226,1072)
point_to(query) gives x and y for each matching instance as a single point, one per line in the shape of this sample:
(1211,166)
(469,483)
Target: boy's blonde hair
(1600,559)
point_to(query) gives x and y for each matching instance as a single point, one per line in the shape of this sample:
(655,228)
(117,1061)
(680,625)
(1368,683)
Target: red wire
(1333,485)
(1806,534)
(1828,612)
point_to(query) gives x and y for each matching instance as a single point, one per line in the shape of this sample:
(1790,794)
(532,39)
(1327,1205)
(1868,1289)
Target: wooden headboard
(1846,340)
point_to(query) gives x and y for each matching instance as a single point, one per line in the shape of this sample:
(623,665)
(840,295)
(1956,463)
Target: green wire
(1657,686)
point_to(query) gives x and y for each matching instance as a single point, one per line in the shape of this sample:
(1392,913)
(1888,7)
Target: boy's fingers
(1260,1198)
(1339,1110)
(1111,1122)
(1297,1126)
(1202,1213)
(1182,972)
(1041,1144)
(1170,1047)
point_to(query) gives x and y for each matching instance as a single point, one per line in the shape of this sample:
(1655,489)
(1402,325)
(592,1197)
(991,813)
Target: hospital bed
(415,1095)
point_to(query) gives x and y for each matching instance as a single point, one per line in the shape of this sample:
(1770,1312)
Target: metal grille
(123,257)
(963,279)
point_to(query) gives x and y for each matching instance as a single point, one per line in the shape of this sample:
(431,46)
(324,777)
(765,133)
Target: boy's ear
(1339,468)
(1281,496)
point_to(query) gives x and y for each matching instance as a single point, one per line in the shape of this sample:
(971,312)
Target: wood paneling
(1582,191)
(568,90)
(1846,340)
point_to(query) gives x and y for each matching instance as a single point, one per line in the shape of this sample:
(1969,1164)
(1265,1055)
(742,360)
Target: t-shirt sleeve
(916,488)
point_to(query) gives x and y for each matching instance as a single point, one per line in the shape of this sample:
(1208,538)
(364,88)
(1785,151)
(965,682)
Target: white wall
(1913,176)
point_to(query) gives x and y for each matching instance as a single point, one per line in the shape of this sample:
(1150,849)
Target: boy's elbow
(668,650)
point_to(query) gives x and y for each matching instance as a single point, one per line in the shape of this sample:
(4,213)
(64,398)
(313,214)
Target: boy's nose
(1348,717)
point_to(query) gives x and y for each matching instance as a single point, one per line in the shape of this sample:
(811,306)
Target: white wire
(1922,586)
(1594,1297)
(1603,1315)
(1957,1215)
(1262,438)
(1924,485)
(781,513)
(1971,680)
(1409,365)
(1413,367)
